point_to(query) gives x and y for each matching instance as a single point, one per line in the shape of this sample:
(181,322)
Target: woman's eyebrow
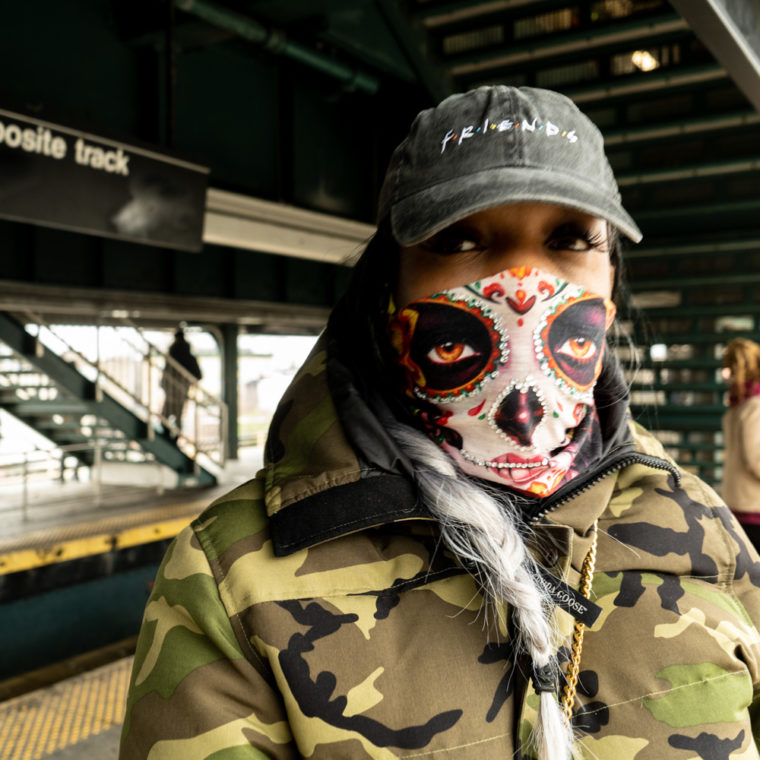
(571,224)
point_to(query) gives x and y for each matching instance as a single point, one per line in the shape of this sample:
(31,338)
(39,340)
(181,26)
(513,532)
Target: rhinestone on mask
(523,386)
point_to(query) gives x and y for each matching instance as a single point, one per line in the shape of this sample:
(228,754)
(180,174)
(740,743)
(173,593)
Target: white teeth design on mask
(504,465)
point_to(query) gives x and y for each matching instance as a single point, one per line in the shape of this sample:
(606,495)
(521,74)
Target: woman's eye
(448,353)
(580,349)
(570,243)
(574,238)
(452,241)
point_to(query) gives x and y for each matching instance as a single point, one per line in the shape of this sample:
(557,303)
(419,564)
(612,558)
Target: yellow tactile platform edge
(95,537)
(37,724)
(25,559)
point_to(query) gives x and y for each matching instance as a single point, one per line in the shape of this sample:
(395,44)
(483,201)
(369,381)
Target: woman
(741,435)
(454,493)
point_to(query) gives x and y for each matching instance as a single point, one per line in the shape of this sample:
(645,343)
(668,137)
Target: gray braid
(483,533)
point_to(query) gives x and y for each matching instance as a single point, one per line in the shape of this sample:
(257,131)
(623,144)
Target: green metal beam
(414,46)
(681,128)
(277,42)
(664,419)
(694,171)
(689,446)
(698,216)
(739,245)
(457,12)
(683,77)
(689,338)
(698,364)
(680,282)
(587,42)
(682,311)
(678,387)
(230,389)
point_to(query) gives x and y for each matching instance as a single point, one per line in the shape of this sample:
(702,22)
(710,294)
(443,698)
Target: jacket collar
(324,479)
(331,469)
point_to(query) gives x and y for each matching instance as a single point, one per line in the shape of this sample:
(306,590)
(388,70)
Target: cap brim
(418,216)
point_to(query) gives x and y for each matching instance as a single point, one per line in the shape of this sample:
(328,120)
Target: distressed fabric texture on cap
(493,146)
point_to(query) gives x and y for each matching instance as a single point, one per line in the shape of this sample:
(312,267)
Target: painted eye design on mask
(569,342)
(453,347)
(450,352)
(579,350)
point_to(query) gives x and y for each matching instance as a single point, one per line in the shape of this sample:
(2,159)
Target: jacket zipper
(624,461)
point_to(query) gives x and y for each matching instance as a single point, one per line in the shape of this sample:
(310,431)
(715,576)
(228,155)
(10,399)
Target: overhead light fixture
(644,60)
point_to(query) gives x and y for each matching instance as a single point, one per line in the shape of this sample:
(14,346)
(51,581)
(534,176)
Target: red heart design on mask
(522,304)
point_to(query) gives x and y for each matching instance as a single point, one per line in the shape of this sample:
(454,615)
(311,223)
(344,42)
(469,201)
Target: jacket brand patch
(568,599)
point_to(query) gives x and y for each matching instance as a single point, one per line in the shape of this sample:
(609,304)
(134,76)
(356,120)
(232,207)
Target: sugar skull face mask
(501,374)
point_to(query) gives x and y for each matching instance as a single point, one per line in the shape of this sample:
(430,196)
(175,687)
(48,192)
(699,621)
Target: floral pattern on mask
(501,372)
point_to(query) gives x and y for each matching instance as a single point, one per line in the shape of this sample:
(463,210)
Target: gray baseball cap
(493,146)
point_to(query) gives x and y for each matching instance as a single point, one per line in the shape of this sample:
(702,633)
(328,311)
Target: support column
(230,385)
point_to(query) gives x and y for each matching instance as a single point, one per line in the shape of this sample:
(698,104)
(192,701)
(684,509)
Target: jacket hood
(331,468)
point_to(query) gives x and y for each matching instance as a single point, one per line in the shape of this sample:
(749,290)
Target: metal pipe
(277,42)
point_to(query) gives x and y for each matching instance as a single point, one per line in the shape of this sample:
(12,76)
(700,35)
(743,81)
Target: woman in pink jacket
(741,435)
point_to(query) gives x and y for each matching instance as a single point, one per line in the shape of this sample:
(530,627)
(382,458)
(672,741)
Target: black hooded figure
(175,383)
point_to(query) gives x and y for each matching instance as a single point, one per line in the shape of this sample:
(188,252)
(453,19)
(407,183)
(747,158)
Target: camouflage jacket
(311,613)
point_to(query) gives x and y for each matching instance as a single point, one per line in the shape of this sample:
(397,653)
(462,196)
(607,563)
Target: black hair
(358,322)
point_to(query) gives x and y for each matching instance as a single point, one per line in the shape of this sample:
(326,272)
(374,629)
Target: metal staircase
(106,403)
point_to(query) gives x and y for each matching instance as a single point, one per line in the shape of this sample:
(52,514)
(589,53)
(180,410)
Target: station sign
(60,177)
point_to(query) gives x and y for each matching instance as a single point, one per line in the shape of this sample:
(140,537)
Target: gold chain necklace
(573,669)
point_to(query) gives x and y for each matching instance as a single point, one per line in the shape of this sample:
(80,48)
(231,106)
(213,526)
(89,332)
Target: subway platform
(72,709)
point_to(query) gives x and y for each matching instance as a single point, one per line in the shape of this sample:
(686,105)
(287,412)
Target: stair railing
(202,419)
(121,361)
